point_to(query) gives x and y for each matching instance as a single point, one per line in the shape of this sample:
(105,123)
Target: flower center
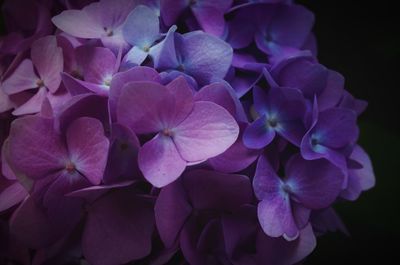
(40,83)
(314,141)
(107,82)
(181,68)
(286,188)
(272,122)
(168,132)
(146,48)
(70,167)
(109,32)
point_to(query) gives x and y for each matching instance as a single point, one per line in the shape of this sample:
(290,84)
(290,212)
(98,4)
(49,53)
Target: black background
(361,40)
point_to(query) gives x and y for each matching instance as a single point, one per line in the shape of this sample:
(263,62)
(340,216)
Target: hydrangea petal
(171,211)
(39,158)
(141,27)
(208,131)
(143,107)
(134,57)
(160,161)
(219,94)
(359,179)
(337,127)
(205,57)
(210,15)
(117,232)
(97,64)
(85,105)
(213,190)
(77,23)
(316,183)
(236,158)
(258,134)
(292,26)
(164,53)
(12,195)
(171,10)
(33,105)
(22,79)
(141,73)
(275,215)
(88,148)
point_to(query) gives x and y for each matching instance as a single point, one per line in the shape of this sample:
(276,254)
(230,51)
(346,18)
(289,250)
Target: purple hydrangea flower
(171,132)
(282,111)
(187,131)
(48,60)
(100,20)
(286,203)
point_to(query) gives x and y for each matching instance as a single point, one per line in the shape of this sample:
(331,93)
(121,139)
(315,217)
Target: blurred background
(361,40)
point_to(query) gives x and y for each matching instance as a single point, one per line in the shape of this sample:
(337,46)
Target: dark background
(361,40)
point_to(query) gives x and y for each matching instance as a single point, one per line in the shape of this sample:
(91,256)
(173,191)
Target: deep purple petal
(212,190)
(315,183)
(210,15)
(361,179)
(85,105)
(258,134)
(171,10)
(171,210)
(12,195)
(117,232)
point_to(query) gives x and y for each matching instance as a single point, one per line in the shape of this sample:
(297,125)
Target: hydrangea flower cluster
(198,132)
